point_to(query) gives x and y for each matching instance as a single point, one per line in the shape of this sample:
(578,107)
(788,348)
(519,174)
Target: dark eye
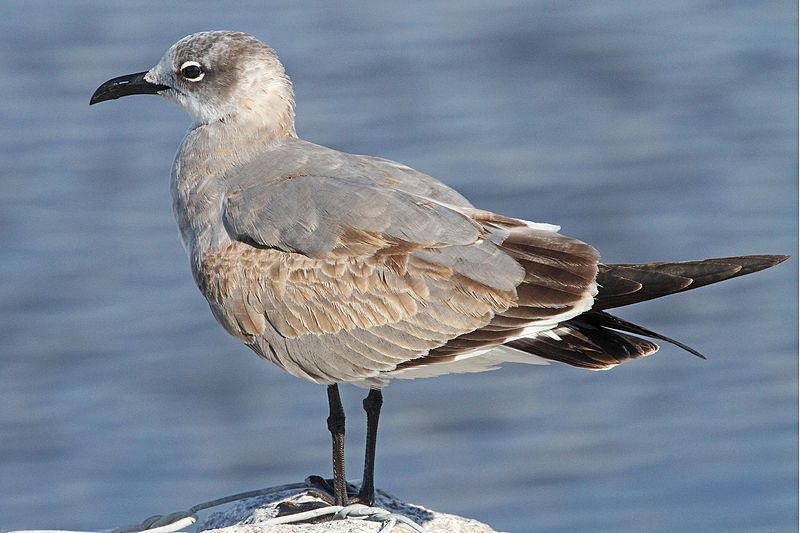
(192,71)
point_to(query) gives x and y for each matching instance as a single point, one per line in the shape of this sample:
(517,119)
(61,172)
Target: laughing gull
(344,268)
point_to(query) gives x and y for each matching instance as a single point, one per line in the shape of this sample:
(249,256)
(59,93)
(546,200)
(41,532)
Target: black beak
(124,86)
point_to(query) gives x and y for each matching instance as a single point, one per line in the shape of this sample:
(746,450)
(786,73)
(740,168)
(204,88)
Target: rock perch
(249,516)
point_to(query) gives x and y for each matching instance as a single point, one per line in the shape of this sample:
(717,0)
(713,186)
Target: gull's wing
(346,274)
(322,216)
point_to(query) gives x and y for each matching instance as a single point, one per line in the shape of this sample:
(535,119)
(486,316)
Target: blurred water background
(654,130)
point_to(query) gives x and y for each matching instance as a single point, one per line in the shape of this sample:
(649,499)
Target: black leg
(336,427)
(372,405)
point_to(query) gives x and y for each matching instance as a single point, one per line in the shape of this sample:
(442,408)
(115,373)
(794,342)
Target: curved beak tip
(125,86)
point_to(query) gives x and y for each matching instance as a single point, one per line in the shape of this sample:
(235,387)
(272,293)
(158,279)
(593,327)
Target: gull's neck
(266,115)
(265,118)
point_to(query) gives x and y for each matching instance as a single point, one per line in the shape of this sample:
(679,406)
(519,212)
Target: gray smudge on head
(223,55)
(237,69)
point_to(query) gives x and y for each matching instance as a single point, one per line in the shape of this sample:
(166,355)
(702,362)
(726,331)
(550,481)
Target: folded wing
(343,279)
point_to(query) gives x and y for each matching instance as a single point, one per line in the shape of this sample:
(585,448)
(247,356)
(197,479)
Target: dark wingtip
(776,259)
(685,347)
(614,322)
(754,263)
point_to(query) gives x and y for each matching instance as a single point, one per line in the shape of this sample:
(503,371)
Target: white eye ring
(197,76)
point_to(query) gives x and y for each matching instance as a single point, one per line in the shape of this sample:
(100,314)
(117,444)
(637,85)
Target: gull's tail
(598,340)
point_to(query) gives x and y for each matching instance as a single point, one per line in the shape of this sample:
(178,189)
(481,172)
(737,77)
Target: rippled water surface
(654,130)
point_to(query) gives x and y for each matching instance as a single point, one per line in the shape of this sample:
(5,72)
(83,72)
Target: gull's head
(217,76)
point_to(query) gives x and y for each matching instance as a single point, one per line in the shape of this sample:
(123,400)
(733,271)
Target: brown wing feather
(558,285)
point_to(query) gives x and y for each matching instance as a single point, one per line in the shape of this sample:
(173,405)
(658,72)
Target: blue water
(654,130)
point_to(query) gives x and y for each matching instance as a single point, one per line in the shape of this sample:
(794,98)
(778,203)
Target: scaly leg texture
(336,427)
(372,405)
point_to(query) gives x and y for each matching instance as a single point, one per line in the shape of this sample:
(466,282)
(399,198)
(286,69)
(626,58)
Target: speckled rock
(251,515)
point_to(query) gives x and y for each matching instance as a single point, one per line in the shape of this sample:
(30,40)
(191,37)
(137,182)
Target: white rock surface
(249,516)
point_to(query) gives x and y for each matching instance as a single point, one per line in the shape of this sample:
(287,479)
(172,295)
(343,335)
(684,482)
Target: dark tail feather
(595,340)
(612,322)
(598,340)
(625,284)
(585,343)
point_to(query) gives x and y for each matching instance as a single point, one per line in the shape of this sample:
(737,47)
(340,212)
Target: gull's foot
(322,488)
(290,508)
(363,499)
